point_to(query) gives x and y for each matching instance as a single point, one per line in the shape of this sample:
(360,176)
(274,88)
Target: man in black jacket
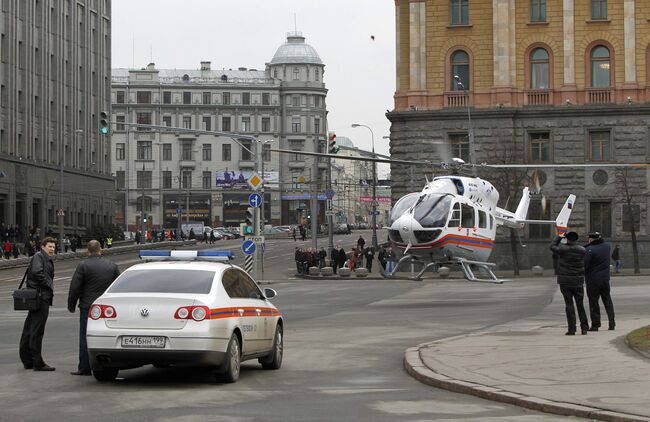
(40,276)
(570,277)
(90,280)
(597,279)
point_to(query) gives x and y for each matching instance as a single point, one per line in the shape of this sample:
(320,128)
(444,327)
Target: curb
(416,367)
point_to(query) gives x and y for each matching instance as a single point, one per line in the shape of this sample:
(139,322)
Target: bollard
(314,271)
(344,272)
(538,270)
(327,271)
(361,272)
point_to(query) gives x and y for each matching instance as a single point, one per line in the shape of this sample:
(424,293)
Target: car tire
(232,364)
(105,374)
(274,359)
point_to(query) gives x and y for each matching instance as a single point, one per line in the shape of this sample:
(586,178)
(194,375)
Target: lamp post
(470,131)
(374,186)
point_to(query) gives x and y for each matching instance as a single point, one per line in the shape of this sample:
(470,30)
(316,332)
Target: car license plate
(144,342)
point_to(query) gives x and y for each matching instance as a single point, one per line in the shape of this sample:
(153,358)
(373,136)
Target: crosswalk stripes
(248,264)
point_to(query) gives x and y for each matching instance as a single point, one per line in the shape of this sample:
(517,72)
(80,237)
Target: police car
(184,309)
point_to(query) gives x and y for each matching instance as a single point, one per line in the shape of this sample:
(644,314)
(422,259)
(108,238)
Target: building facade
(54,75)
(204,175)
(544,82)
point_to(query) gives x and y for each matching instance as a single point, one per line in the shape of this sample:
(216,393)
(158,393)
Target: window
(245,124)
(164,281)
(599,145)
(143,97)
(459,144)
(246,150)
(121,179)
(119,151)
(206,180)
(459,12)
(138,206)
(600,218)
(467,216)
(631,214)
(246,98)
(266,124)
(540,147)
(186,151)
(600,63)
(143,179)
(295,146)
(167,97)
(295,101)
(120,120)
(317,125)
(207,123)
(144,150)
(454,221)
(538,10)
(143,118)
(295,124)
(316,75)
(266,98)
(460,68)
(167,121)
(482,219)
(207,98)
(318,101)
(539,211)
(598,9)
(167,152)
(226,152)
(186,178)
(296,73)
(207,152)
(238,285)
(539,69)
(266,152)
(225,124)
(226,98)
(166,179)
(187,97)
(119,97)
(187,122)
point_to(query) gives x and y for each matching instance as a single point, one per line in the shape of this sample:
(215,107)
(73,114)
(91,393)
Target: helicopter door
(454,220)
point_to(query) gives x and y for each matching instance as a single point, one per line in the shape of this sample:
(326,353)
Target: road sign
(248,264)
(374,213)
(329,193)
(255,181)
(178,211)
(248,247)
(258,240)
(330,212)
(60,212)
(255,200)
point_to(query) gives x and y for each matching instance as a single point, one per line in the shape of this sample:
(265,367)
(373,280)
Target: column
(630,42)
(502,75)
(417,45)
(569,44)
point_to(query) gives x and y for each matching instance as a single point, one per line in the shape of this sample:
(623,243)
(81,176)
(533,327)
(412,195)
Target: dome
(296,51)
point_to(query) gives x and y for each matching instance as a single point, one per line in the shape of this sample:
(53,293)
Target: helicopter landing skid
(411,258)
(484,267)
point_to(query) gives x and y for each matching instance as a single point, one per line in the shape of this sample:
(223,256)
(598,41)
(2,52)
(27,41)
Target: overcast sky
(359,72)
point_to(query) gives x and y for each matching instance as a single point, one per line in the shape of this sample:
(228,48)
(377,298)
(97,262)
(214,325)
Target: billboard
(237,179)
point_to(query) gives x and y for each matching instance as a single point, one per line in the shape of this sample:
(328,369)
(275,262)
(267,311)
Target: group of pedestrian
(90,280)
(577,265)
(306,258)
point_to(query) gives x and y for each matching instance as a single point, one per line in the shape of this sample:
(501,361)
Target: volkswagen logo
(144,312)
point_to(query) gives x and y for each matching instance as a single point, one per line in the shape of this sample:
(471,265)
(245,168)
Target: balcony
(535,97)
(246,164)
(187,163)
(598,95)
(455,99)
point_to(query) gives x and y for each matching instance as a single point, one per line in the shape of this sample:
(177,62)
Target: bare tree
(629,183)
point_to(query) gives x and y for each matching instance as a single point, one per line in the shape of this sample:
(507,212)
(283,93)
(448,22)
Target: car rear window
(164,281)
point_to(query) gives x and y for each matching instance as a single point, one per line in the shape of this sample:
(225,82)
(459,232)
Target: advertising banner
(238,179)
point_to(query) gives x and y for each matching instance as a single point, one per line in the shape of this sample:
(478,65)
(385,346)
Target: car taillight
(102,311)
(196,313)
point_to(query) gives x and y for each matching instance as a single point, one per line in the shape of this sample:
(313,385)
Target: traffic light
(332,148)
(144,218)
(250,221)
(103,123)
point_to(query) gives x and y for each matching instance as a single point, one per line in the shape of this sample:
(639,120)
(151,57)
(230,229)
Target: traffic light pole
(256,222)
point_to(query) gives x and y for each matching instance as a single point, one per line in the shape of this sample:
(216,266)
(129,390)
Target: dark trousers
(596,290)
(31,341)
(334,265)
(571,294)
(84,360)
(369,265)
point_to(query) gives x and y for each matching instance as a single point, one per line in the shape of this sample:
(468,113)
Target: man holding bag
(40,276)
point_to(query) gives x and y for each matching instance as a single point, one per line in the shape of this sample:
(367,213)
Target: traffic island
(639,340)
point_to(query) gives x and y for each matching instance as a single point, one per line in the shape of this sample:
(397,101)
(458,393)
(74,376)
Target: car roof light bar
(205,255)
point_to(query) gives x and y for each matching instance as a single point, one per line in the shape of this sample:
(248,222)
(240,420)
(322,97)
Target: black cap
(594,235)
(572,236)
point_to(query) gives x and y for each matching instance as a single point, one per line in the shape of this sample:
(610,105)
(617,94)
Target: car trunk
(147,312)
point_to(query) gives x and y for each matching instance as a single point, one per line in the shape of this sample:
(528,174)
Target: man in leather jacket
(570,277)
(597,279)
(41,277)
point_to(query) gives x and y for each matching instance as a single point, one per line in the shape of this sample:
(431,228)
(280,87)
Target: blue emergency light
(204,255)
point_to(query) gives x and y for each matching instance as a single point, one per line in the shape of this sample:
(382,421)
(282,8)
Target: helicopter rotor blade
(552,166)
(357,158)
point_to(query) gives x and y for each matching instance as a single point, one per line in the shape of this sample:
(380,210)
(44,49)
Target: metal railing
(538,97)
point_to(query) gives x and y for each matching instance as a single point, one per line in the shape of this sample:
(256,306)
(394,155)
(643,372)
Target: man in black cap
(597,279)
(570,277)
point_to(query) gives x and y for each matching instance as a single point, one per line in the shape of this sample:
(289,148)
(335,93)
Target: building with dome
(203,176)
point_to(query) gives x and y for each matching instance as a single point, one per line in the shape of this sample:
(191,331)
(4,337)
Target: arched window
(600,67)
(296,73)
(539,69)
(460,71)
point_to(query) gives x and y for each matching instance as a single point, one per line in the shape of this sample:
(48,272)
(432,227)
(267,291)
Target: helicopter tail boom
(562,220)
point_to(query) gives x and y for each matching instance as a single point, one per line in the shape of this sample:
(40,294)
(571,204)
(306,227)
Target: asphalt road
(344,346)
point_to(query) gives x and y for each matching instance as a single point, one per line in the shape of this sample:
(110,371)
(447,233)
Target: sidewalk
(531,363)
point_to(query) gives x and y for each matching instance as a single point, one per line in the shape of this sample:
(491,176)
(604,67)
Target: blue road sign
(255,200)
(248,247)
(374,212)
(178,210)
(329,193)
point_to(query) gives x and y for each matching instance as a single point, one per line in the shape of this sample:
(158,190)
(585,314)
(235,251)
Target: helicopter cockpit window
(482,219)
(491,222)
(467,216)
(454,221)
(403,205)
(432,210)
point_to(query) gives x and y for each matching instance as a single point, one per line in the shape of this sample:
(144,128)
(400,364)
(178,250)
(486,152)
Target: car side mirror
(269,293)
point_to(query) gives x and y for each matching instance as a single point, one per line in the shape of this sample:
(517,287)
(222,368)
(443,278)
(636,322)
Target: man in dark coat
(570,277)
(40,276)
(597,279)
(369,255)
(90,280)
(341,257)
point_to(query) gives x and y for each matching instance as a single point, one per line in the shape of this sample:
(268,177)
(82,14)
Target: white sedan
(182,310)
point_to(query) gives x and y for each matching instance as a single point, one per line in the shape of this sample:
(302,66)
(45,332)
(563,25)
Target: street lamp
(374,187)
(470,131)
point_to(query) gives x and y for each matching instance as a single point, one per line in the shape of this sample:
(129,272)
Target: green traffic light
(248,230)
(103,130)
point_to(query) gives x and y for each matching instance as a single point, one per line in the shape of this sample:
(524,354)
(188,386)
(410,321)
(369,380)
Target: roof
(296,51)
(197,76)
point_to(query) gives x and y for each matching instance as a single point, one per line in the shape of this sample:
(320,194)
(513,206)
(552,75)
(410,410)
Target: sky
(359,71)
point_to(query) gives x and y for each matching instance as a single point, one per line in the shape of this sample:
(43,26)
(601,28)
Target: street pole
(60,211)
(374,187)
(470,131)
(256,221)
(143,224)
(179,210)
(313,183)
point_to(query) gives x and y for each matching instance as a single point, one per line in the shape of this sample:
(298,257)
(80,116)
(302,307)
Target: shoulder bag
(26,299)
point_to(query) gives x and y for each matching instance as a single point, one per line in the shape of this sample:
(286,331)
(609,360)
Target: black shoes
(584,332)
(570,333)
(593,329)
(612,327)
(28,365)
(45,367)
(81,373)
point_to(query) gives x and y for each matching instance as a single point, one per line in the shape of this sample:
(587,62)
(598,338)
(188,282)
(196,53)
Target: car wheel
(232,364)
(105,374)
(274,359)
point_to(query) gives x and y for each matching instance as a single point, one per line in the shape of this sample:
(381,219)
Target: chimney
(205,66)
(151,66)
